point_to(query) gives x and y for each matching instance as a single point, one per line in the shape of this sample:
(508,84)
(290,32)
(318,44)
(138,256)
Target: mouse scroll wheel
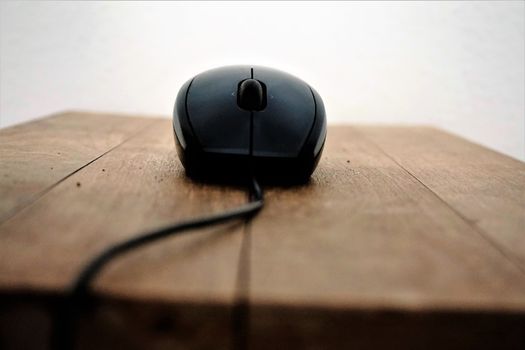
(251,95)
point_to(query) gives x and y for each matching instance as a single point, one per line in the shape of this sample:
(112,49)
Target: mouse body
(235,121)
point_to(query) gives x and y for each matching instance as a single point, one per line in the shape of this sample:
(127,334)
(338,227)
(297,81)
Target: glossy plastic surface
(281,129)
(219,124)
(218,138)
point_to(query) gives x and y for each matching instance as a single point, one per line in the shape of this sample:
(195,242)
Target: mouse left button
(217,121)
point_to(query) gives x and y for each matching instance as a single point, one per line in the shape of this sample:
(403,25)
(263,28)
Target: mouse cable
(64,328)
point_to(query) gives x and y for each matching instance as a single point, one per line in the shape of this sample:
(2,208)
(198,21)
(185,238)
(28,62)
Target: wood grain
(35,156)
(365,235)
(485,187)
(136,187)
(380,249)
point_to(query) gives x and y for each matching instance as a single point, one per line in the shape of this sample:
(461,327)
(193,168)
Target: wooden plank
(136,187)
(365,256)
(483,186)
(35,156)
(365,235)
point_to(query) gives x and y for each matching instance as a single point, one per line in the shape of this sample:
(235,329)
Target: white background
(459,66)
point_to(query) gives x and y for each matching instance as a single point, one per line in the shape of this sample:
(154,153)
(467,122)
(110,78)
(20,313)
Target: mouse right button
(281,129)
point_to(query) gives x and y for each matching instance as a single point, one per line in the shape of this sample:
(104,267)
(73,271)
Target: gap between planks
(35,197)
(42,193)
(240,325)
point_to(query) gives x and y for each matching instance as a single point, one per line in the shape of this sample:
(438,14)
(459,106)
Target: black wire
(76,298)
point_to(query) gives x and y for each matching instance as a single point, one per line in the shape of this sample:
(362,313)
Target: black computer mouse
(238,121)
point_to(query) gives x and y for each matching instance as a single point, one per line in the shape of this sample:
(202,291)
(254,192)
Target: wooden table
(406,237)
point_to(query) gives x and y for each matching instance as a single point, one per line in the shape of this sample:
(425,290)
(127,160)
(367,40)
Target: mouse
(237,121)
